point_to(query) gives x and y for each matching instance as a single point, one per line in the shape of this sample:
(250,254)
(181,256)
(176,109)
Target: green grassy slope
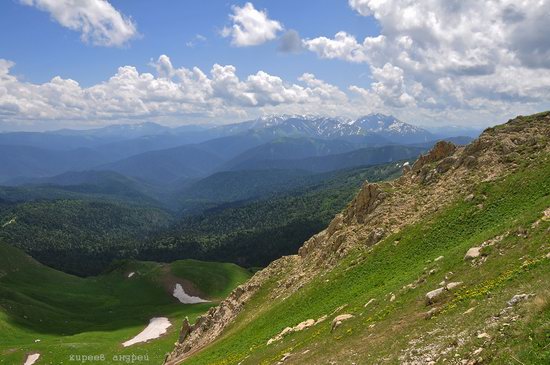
(76,316)
(397,331)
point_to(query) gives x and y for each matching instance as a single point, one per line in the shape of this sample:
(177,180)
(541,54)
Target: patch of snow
(186,298)
(31,359)
(157,327)
(406,163)
(131,274)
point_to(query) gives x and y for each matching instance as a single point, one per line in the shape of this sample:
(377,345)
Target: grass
(515,265)
(70,315)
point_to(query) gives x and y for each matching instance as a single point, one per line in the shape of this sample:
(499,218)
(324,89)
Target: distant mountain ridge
(162,155)
(385,128)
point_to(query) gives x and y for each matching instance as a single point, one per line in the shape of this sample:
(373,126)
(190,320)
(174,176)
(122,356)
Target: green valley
(59,315)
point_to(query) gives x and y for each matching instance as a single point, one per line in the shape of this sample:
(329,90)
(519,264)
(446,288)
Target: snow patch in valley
(157,327)
(186,298)
(31,359)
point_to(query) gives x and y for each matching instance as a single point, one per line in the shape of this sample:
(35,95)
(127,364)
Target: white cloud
(98,21)
(457,56)
(171,95)
(197,39)
(175,95)
(343,46)
(251,27)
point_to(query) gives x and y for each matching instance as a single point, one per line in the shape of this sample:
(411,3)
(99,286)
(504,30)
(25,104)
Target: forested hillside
(254,233)
(79,236)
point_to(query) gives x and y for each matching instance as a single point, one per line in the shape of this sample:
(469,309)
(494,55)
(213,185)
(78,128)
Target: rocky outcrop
(366,201)
(440,150)
(438,161)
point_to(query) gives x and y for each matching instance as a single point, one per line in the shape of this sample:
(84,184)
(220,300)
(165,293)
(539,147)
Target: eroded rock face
(368,198)
(440,150)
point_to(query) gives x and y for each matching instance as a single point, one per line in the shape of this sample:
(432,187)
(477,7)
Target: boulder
(446,164)
(469,198)
(518,298)
(453,285)
(472,253)
(337,321)
(432,296)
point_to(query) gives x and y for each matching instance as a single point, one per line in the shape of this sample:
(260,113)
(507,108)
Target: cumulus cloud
(251,27)
(168,95)
(97,20)
(450,55)
(343,46)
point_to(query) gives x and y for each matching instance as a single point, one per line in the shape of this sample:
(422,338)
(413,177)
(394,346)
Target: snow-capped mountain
(393,129)
(373,128)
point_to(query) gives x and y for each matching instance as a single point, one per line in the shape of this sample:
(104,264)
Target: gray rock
(337,321)
(518,298)
(472,253)
(432,296)
(453,285)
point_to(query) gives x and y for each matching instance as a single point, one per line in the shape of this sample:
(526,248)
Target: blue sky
(46,49)
(87,63)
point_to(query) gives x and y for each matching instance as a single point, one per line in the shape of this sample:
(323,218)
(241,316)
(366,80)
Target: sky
(89,63)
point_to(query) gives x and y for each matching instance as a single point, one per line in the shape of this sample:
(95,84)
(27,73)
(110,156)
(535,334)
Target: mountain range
(166,160)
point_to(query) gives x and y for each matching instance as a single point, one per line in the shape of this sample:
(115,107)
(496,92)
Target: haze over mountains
(212,193)
(159,155)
